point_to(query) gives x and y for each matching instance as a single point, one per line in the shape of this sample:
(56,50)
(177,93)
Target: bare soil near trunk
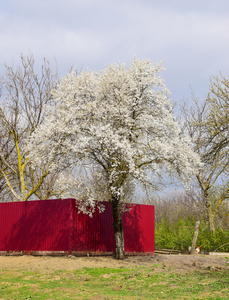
(158,262)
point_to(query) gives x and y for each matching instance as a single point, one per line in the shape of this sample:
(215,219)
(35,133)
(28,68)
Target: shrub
(178,235)
(209,241)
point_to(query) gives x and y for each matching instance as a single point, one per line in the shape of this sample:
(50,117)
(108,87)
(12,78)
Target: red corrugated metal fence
(56,225)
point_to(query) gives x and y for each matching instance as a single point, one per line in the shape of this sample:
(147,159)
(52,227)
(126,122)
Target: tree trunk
(210,214)
(211,220)
(118,229)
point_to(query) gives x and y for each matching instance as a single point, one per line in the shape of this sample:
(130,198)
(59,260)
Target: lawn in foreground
(113,283)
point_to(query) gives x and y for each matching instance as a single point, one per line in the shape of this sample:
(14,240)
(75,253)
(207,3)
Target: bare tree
(207,125)
(24,94)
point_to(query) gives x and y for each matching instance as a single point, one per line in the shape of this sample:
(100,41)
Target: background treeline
(27,88)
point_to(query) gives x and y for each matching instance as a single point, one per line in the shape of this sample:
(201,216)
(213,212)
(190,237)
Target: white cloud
(192,36)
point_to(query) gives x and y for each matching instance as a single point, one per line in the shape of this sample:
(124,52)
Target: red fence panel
(34,226)
(138,226)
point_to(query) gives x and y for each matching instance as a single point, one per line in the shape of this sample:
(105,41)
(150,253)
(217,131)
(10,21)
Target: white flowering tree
(119,121)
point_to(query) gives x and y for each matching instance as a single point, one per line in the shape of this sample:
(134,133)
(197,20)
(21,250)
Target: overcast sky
(192,37)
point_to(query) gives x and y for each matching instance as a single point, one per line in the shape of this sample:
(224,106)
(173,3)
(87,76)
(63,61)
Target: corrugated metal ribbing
(10,216)
(93,234)
(138,226)
(34,226)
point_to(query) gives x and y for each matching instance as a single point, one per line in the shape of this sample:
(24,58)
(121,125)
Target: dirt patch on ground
(176,263)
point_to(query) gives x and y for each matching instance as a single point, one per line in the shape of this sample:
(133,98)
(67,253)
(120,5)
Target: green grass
(111,283)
